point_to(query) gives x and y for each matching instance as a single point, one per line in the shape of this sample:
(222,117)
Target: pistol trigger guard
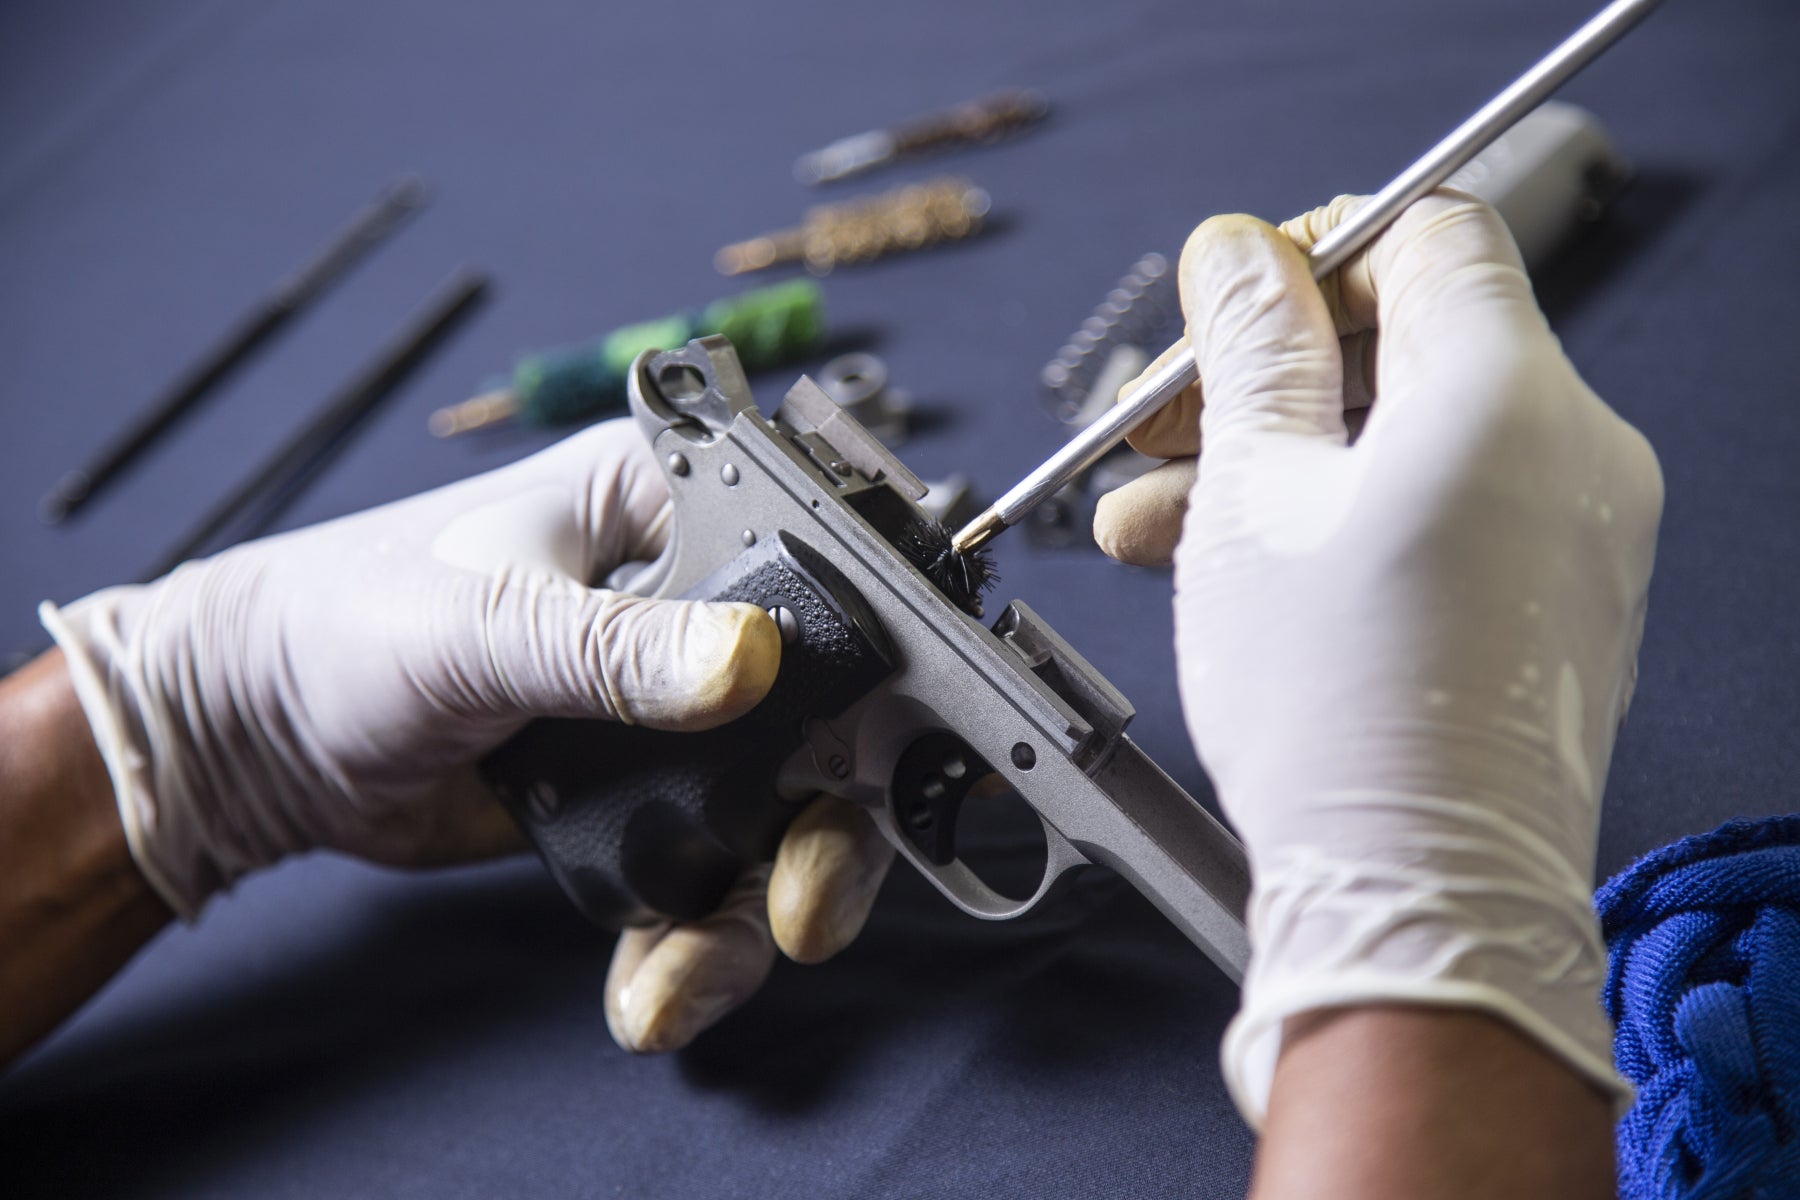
(965,889)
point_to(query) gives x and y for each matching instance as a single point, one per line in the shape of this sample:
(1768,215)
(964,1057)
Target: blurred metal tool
(1082,380)
(256,503)
(1327,255)
(858,381)
(1548,176)
(985,119)
(366,230)
(945,209)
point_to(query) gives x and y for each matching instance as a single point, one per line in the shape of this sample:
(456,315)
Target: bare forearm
(1398,1102)
(73,906)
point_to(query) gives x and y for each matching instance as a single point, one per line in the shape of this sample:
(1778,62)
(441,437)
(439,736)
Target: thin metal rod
(255,504)
(365,231)
(1327,255)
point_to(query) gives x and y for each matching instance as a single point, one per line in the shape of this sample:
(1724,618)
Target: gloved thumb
(1262,336)
(678,665)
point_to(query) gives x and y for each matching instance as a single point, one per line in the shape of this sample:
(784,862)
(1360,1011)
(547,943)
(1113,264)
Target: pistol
(888,694)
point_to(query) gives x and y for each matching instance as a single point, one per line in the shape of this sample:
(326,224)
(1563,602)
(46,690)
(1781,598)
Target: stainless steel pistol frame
(1016,697)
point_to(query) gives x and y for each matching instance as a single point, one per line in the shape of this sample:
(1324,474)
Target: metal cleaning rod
(367,229)
(1327,255)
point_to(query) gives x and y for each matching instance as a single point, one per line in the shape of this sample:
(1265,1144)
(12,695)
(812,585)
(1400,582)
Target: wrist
(1465,914)
(1392,1100)
(73,904)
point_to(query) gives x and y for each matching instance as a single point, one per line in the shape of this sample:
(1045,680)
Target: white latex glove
(332,688)
(1403,661)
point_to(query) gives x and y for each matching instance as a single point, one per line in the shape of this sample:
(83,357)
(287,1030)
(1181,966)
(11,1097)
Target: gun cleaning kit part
(984,119)
(1327,255)
(770,326)
(256,504)
(366,230)
(1549,176)
(963,577)
(1137,312)
(858,382)
(946,209)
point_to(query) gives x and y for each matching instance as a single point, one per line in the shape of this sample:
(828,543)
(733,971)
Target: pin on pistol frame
(887,694)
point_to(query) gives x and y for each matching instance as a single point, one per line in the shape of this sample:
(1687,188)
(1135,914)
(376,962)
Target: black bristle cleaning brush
(962,576)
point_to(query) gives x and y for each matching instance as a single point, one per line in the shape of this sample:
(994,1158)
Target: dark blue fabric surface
(1704,987)
(331,1029)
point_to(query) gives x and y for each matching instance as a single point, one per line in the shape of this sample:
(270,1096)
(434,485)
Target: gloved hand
(1403,661)
(332,688)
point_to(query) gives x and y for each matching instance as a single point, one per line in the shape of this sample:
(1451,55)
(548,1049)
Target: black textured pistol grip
(638,824)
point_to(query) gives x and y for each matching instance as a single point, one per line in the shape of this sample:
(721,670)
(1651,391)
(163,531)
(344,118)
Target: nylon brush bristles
(962,578)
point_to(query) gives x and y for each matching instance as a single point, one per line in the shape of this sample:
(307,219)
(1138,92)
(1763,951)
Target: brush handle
(638,825)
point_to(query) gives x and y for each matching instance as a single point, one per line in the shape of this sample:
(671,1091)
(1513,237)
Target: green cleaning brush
(769,327)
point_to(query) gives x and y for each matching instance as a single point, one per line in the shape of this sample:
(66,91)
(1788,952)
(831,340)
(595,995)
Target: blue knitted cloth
(1704,987)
